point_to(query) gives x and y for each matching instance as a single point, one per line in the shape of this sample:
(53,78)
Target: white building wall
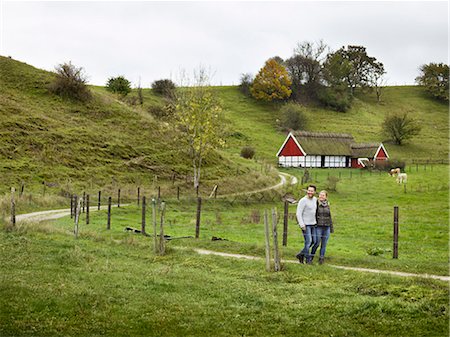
(311,161)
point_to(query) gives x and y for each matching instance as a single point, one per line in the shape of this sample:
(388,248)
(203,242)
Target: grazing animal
(402,178)
(395,171)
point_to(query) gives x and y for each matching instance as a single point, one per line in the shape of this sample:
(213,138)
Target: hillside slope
(46,138)
(255,123)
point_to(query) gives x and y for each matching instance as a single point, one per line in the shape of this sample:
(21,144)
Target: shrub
(331,184)
(292,117)
(246,82)
(162,111)
(387,165)
(247,152)
(119,85)
(400,127)
(70,82)
(164,87)
(336,99)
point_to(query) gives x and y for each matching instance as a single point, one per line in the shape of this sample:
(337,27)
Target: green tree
(70,82)
(434,77)
(336,94)
(400,127)
(362,67)
(198,113)
(272,82)
(119,85)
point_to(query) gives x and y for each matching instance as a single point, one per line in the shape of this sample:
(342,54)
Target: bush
(247,152)
(164,87)
(246,82)
(387,165)
(70,82)
(336,99)
(400,127)
(119,85)
(292,117)
(161,111)
(331,184)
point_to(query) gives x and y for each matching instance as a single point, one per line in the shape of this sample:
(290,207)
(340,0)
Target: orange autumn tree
(272,82)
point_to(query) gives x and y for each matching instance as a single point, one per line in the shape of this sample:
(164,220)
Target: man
(306,217)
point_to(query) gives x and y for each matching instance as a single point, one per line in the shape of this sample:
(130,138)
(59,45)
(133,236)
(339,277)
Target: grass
(109,282)
(52,284)
(362,210)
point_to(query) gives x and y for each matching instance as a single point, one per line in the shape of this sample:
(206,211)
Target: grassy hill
(103,142)
(257,122)
(107,142)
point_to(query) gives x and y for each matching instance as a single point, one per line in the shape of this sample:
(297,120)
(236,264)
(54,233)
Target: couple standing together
(314,218)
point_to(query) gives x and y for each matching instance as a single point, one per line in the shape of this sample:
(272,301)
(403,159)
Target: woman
(324,225)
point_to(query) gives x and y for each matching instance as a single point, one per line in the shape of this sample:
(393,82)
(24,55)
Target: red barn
(316,149)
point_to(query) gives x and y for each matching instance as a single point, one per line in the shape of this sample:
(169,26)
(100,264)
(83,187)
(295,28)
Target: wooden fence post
(285,222)
(87,209)
(75,203)
(84,200)
(395,251)
(13,208)
(139,195)
(71,206)
(267,239)
(276,254)
(143,216)
(197,222)
(155,238)
(77,216)
(162,239)
(118,198)
(108,225)
(178,192)
(99,198)
(21,189)
(159,192)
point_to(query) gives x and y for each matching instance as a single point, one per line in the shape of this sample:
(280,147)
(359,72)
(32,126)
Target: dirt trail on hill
(59,213)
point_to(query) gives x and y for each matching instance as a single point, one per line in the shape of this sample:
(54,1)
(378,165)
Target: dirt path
(365,270)
(284,178)
(52,214)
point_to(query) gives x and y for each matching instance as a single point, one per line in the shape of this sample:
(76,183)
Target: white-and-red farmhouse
(317,149)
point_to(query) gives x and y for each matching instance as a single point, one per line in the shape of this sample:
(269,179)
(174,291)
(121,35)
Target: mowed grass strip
(52,284)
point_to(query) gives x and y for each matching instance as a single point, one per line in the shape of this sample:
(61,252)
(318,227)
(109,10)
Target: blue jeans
(322,233)
(309,234)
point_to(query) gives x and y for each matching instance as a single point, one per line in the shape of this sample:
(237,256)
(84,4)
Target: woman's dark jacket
(323,215)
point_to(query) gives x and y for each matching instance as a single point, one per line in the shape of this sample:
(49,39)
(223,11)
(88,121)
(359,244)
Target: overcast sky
(155,40)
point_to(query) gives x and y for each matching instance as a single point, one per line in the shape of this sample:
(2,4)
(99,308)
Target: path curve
(52,214)
(367,270)
(283,181)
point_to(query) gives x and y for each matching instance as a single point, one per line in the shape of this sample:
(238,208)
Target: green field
(111,282)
